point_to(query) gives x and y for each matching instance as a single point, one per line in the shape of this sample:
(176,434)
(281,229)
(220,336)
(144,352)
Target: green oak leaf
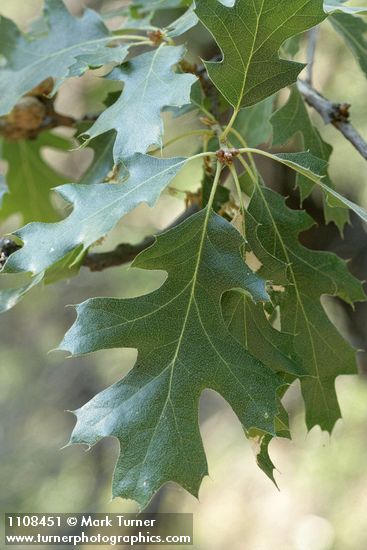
(354,31)
(222,194)
(274,266)
(66,268)
(312,274)
(96,210)
(304,163)
(292,119)
(150,84)
(30,178)
(183,347)
(250,35)
(261,441)
(70,46)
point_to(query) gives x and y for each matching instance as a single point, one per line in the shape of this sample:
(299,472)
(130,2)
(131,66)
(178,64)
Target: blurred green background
(322,499)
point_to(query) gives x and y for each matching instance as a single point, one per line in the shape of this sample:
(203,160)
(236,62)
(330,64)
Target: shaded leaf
(292,119)
(253,123)
(30,178)
(336,200)
(354,31)
(324,353)
(102,162)
(247,322)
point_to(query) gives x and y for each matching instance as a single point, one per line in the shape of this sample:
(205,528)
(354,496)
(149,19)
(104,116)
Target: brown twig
(125,253)
(336,114)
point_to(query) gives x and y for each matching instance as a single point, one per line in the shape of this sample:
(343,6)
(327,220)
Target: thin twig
(336,114)
(125,253)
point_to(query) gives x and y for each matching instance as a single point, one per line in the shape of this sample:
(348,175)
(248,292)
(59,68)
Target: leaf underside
(150,84)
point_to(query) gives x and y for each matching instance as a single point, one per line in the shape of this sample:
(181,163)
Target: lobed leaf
(149,85)
(354,31)
(323,352)
(250,35)
(96,210)
(183,347)
(30,178)
(292,119)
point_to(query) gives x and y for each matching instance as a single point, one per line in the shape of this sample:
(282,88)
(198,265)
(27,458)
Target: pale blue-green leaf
(150,84)
(96,210)
(183,24)
(69,47)
(335,6)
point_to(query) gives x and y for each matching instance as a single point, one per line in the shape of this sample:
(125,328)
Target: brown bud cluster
(29,113)
(32,114)
(43,89)
(227,156)
(340,112)
(157,37)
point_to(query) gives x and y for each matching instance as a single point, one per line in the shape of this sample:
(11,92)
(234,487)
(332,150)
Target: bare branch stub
(337,114)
